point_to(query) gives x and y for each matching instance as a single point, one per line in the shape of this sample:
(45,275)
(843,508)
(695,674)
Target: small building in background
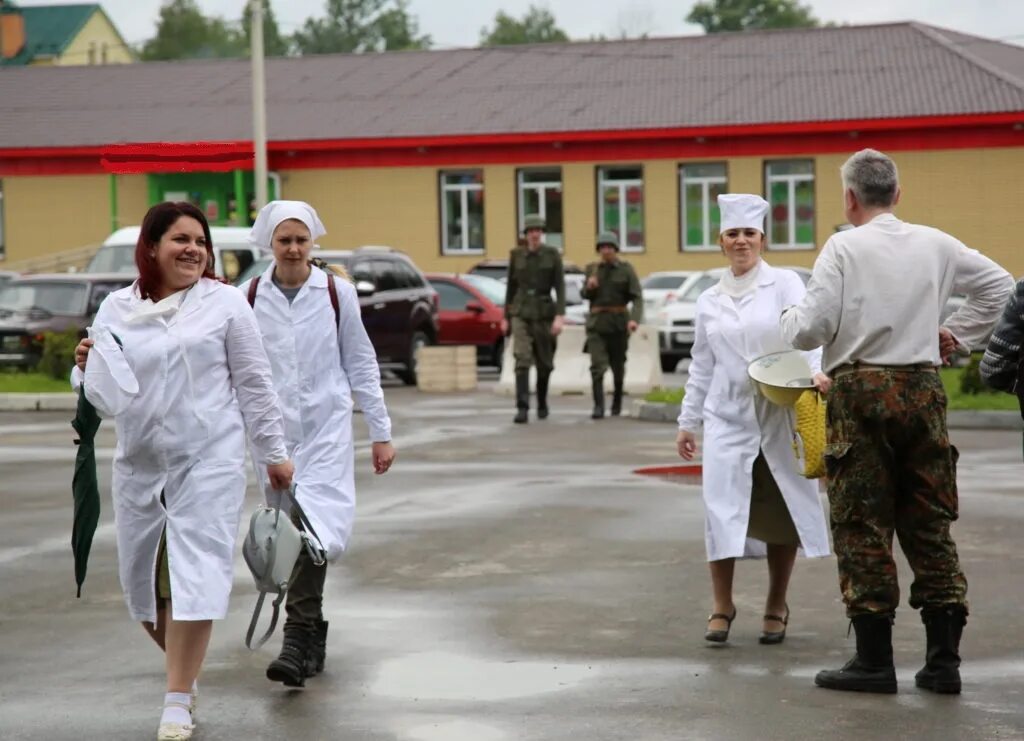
(80,34)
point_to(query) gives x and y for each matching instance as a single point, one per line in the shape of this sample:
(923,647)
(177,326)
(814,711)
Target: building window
(540,192)
(462,212)
(699,188)
(790,188)
(620,205)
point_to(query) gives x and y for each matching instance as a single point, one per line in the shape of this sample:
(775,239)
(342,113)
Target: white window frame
(542,186)
(464,189)
(710,240)
(623,185)
(791,180)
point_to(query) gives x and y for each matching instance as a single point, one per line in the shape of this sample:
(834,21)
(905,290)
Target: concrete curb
(957,419)
(51,402)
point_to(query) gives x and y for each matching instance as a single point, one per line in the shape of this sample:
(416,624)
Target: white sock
(176,708)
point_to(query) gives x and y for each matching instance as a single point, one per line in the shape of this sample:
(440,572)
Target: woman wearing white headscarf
(753,494)
(321,358)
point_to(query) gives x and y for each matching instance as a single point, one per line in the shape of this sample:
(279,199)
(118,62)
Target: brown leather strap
(332,291)
(253,285)
(608,309)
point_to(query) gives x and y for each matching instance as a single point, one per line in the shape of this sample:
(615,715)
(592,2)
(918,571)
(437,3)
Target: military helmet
(609,238)
(533,221)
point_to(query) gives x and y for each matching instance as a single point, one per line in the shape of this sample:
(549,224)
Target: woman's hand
(822,382)
(281,474)
(383,457)
(686,444)
(82,353)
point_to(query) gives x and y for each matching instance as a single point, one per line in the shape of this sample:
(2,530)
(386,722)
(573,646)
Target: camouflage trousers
(891,469)
(533,344)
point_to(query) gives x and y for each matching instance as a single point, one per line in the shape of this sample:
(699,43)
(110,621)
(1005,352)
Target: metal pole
(114,220)
(259,105)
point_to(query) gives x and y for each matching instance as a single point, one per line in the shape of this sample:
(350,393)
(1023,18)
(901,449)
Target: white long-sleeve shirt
(877,292)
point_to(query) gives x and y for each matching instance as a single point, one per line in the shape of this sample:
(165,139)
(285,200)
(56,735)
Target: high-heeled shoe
(720,636)
(770,638)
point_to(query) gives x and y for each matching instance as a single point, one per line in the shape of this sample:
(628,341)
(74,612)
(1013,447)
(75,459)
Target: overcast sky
(458,22)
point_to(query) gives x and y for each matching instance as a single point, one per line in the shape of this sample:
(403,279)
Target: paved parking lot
(505,583)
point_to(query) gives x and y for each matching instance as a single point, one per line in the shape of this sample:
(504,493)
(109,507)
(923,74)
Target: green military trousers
(891,469)
(533,344)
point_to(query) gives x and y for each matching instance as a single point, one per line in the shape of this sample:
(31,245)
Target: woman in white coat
(754,495)
(176,359)
(321,357)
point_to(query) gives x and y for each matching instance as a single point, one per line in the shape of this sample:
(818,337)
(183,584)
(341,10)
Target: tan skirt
(770,520)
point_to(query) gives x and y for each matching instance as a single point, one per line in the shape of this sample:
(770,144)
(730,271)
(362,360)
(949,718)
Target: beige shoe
(176,731)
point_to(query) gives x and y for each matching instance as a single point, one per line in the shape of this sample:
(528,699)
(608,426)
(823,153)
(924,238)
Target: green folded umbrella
(84,486)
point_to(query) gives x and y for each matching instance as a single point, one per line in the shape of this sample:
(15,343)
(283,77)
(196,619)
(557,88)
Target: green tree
(747,15)
(183,32)
(536,27)
(274,44)
(398,30)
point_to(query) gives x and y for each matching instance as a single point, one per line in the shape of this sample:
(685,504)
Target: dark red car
(471,310)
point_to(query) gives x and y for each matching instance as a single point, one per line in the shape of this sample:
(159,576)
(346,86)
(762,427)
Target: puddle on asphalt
(443,676)
(455,730)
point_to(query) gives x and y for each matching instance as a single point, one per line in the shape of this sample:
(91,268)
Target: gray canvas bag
(271,549)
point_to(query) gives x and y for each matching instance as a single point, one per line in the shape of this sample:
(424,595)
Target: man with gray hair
(873,303)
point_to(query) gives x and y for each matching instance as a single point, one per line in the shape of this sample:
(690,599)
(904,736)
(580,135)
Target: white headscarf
(271,215)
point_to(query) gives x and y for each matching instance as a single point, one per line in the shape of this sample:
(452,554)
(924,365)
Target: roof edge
(935,34)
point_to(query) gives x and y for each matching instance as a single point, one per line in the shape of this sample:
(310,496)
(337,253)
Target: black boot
(598,412)
(617,395)
(542,395)
(943,627)
(317,650)
(290,666)
(522,397)
(871,669)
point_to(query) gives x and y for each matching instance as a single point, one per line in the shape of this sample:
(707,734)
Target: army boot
(617,395)
(317,650)
(871,669)
(542,395)
(598,411)
(943,627)
(289,667)
(522,397)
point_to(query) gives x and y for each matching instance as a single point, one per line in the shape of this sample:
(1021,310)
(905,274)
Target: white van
(231,249)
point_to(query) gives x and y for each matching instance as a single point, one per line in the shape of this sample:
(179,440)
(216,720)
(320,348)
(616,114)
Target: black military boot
(290,666)
(943,626)
(617,395)
(542,395)
(317,650)
(598,411)
(871,669)
(522,397)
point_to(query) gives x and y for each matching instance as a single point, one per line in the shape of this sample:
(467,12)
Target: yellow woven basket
(809,434)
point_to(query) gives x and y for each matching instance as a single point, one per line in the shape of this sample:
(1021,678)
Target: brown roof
(830,74)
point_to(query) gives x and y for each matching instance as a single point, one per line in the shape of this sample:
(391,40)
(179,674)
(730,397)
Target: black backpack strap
(253,285)
(332,291)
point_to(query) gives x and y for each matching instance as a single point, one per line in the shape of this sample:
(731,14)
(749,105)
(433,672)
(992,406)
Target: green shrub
(665,396)
(970,377)
(58,353)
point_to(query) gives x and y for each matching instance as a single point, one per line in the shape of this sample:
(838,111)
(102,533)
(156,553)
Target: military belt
(607,309)
(848,368)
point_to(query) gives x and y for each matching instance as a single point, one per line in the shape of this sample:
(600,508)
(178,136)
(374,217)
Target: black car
(399,307)
(31,305)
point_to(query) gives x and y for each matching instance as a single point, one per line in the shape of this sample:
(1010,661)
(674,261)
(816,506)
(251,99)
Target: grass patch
(984,401)
(31,383)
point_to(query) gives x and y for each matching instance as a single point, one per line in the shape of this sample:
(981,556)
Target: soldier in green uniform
(534,272)
(611,286)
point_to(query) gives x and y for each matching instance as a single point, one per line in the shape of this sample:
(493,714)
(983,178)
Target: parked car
(574,280)
(662,287)
(231,251)
(7,275)
(399,307)
(471,309)
(33,304)
(676,318)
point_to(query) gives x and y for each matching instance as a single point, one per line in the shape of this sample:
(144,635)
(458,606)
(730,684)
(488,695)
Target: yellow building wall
(46,215)
(97,31)
(973,194)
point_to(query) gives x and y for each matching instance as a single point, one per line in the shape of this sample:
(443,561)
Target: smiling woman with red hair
(177,360)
